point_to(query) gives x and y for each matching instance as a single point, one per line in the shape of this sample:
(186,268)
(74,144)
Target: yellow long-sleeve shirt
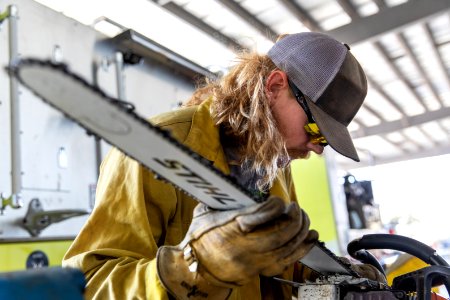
(135,214)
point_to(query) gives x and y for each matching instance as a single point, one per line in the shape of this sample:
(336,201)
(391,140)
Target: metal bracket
(36,219)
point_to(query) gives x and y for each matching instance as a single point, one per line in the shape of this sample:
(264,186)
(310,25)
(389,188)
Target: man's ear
(276,82)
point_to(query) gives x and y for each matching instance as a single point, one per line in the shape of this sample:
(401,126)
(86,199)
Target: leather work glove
(366,270)
(227,249)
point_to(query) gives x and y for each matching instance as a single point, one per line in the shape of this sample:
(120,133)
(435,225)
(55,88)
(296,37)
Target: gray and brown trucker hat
(330,78)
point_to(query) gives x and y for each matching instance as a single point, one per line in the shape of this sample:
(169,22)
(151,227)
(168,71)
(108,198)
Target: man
(144,240)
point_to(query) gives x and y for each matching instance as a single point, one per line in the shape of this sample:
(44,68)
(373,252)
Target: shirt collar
(204,137)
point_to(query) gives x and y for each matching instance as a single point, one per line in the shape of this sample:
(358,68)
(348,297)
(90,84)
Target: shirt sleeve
(117,246)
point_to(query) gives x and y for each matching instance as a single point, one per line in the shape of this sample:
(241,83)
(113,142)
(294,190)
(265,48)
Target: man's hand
(370,272)
(366,270)
(262,242)
(226,249)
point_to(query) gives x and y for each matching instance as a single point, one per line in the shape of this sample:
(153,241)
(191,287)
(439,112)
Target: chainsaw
(116,122)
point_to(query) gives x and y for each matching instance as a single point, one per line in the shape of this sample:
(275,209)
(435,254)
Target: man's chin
(299,154)
(293,154)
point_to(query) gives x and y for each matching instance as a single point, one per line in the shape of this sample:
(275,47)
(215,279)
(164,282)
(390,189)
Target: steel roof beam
(380,3)
(250,19)
(374,112)
(435,50)
(399,145)
(199,24)
(397,72)
(349,9)
(380,90)
(388,20)
(433,151)
(428,136)
(419,67)
(403,123)
(302,15)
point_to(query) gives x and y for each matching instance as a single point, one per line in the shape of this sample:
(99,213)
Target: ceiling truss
(366,29)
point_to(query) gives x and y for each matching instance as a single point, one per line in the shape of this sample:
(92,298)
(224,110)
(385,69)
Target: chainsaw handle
(366,257)
(396,242)
(400,243)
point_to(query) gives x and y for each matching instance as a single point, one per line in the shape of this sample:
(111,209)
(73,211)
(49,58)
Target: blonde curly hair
(241,106)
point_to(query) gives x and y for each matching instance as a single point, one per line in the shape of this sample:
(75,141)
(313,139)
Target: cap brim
(335,133)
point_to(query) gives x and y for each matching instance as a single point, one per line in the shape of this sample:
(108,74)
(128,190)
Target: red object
(435,296)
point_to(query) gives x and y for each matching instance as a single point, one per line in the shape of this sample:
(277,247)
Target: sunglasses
(311,128)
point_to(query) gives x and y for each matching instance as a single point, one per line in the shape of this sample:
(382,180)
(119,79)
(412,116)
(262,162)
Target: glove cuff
(174,272)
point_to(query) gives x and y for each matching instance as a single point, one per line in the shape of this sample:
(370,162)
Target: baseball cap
(330,78)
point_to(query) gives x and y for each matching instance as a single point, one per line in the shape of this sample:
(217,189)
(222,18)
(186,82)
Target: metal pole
(16,166)
(118,62)
(97,143)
